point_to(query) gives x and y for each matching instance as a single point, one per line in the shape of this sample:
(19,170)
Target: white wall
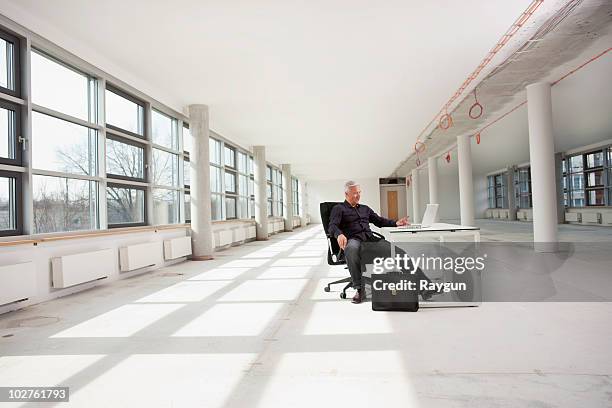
(333,190)
(42,253)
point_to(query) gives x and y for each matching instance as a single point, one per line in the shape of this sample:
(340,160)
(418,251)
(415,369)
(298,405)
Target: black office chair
(335,256)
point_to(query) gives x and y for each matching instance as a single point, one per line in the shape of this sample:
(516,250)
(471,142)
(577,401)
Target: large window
(230,179)
(496,190)
(11,140)
(125,163)
(587,178)
(522,187)
(9,64)
(61,88)
(165,206)
(164,130)
(295,191)
(124,112)
(64,204)
(276,195)
(124,159)
(269,191)
(216,182)
(165,168)
(125,205)
(64,147)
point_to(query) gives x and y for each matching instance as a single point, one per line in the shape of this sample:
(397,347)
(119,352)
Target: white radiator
(593,218)
(70,270)
(606,218)
(239,234)
(252,232)
(17,282)
(177,247)
(572,217)
(225,238)
(138,256)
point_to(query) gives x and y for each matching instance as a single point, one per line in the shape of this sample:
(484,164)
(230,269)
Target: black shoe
(358,296)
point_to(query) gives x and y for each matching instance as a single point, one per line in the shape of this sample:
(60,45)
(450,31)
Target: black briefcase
(395,291)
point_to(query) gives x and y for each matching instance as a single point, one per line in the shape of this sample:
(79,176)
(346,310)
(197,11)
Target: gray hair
(348,185)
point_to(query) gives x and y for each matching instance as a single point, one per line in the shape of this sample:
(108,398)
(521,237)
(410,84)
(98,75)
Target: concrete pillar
(416,197)
(466,183)
(306,206)
(199,160)
(287,196)
(512,204)
(542,161)
(303,203)
(261,200)
(432,169)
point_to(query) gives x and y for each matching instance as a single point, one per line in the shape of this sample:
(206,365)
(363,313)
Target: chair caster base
(343,296)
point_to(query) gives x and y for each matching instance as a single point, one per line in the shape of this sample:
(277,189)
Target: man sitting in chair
(349,223)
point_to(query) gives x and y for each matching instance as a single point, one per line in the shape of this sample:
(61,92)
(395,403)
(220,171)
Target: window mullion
(27,205)
(99,99)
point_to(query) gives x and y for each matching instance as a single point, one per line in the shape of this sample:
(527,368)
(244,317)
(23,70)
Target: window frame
(18,160)
(145,117)
(518,194)
(119,139)
(18,203)
(16,68)
(584,172)
(92,90)
(130,224)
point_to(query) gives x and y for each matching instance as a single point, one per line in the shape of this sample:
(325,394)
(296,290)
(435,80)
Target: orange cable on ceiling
(520,21)
(573,71)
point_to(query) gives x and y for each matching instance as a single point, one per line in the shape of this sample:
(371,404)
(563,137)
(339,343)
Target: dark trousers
(358,254)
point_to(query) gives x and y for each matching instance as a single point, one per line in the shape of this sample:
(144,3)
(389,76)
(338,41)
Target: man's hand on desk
(342,241)
(402,221)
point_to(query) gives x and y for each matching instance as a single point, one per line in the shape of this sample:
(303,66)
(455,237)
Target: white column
(287,196)
(416,211)
(303,203)
(201,226)
(261,200)
(466,184)
(432,168)
(542,161)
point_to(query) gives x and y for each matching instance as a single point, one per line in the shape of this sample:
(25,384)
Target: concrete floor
(253,328)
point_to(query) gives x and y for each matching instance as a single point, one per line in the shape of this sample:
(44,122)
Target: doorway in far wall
(392,205)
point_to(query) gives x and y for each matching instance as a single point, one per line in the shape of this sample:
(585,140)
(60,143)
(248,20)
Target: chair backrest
(333,248)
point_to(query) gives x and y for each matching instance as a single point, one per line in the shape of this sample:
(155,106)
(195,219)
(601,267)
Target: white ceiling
(339,89)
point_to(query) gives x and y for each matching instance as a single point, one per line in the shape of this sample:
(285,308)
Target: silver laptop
(431,213)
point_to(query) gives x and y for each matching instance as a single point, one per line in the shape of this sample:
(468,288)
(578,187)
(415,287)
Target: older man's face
(353,195)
